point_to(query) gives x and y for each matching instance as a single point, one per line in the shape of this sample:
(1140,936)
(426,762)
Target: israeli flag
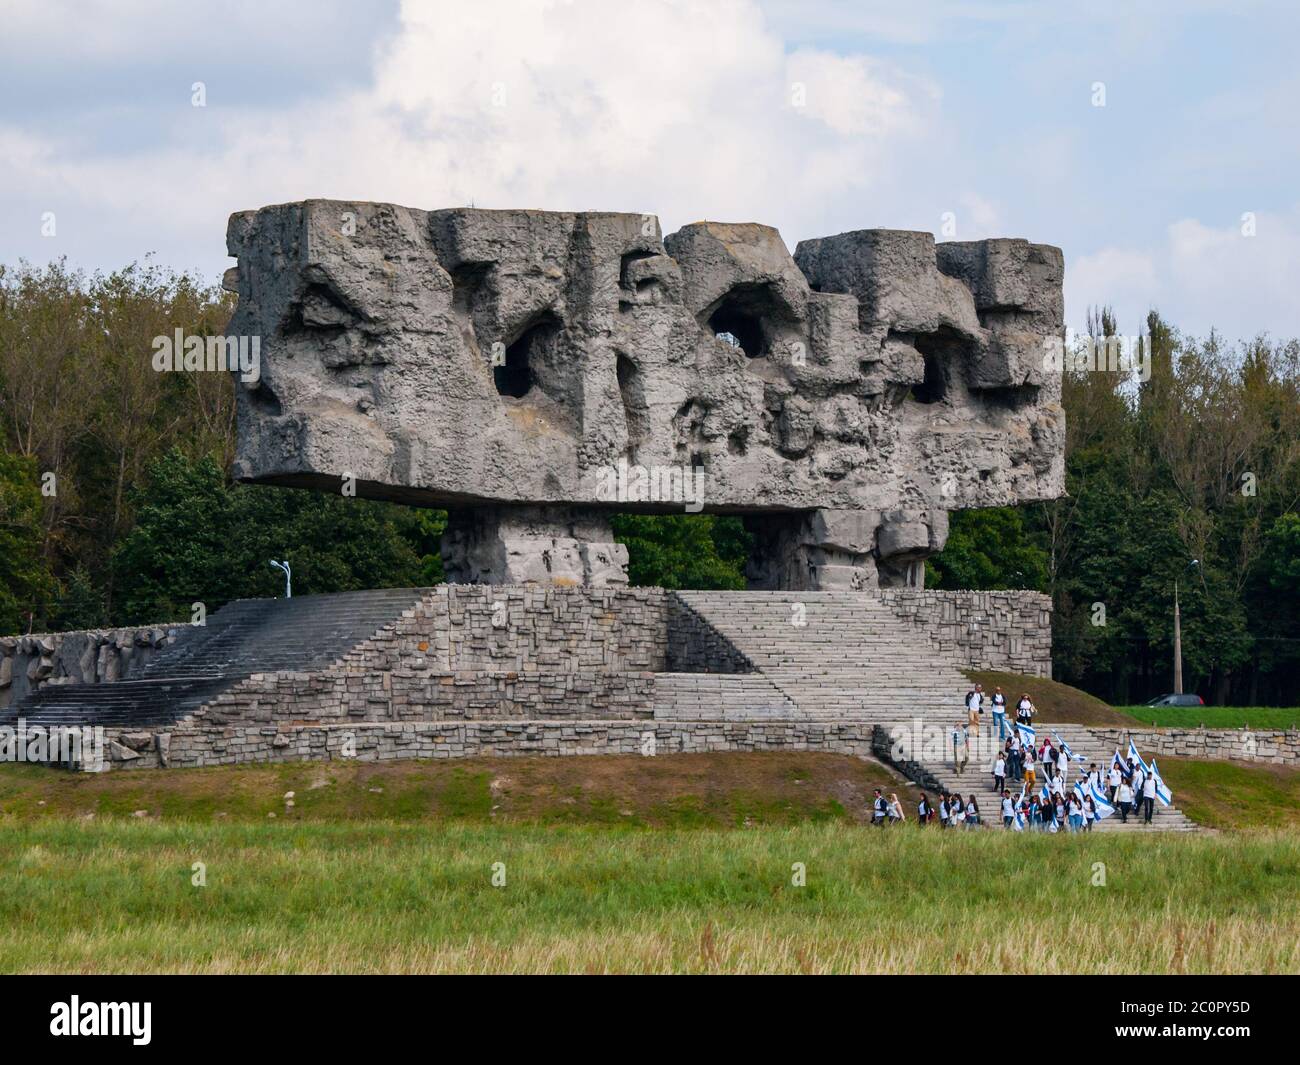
(1133,754)
(1104,808)
(1018,822)
(1080,791)
(1065,748)
(1165,796)
(1118,763)
(1046,794)
(1027,734)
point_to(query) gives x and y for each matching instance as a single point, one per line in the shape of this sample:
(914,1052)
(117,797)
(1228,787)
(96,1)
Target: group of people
(1127,787)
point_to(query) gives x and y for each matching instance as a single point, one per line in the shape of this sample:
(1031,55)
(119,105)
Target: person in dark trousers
(924,815)
(1125,796)
(999,773)
(879,809)
(1148,797)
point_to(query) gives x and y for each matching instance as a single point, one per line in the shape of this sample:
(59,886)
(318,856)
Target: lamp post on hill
(288,578)
(1178,633)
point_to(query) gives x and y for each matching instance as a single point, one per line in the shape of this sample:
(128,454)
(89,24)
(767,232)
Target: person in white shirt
(1113,780)
(1125,799)
(1148,797)
(1000,713)
(999,773)
(974,707)
(1008,809)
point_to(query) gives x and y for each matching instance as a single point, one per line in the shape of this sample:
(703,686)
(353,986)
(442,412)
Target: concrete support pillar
(853,550)
(532,544)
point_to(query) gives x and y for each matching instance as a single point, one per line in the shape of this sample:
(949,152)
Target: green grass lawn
(680,863)
(1234,795)
(1260,717)
(120,896)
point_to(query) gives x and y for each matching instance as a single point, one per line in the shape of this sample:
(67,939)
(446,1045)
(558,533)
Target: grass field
(673,864)
(1260,717)
(384,898)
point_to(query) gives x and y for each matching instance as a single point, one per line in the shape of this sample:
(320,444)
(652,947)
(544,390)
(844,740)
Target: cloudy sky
(817,116)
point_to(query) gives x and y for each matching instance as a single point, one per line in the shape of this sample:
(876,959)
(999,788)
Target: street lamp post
(1178,633)
(288,577)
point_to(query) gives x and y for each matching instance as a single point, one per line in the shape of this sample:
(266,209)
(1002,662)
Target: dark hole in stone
(739,328)
(515,378)
(940,350)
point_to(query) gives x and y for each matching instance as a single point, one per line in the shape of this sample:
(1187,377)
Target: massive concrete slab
(535,371)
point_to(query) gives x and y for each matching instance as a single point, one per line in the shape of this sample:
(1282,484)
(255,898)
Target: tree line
(116,507)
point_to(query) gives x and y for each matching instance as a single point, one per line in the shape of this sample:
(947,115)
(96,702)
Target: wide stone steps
(977,778)
(247,636)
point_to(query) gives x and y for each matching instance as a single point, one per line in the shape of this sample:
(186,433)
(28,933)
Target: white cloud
(1200,277)
(680,110)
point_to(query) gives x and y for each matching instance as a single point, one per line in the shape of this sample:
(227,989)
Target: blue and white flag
(1104,808)
(1018,822)
(1165,796)
(1027,734)
(1065,747)
(1080,791)
(1134,756)
(1118,763)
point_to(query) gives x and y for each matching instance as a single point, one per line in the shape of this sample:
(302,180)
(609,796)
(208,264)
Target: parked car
(1177,700)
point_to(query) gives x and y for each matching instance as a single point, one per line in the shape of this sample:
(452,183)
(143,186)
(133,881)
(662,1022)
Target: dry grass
(386,898)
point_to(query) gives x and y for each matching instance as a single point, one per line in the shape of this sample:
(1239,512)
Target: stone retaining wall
(1009,631)
(192,747)
(458,628)
(410,695)
(92,656)
(1239,745)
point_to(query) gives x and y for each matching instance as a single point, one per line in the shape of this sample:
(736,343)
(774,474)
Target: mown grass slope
(1259,717)
(1056,703)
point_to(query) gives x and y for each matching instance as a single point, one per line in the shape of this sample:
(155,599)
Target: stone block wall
(457,628)
(1009,631)
(408,695)
(1277,747)
(94,656)
(192,747)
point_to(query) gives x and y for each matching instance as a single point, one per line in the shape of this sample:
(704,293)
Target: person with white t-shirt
(1113,780)
(999,773)
(1148,797)
(1125,800)
(1008,809)
(1000,713)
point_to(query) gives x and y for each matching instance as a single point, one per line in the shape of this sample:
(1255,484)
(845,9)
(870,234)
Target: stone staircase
(977,778)
(840,656)
(835,655)
(244,637)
